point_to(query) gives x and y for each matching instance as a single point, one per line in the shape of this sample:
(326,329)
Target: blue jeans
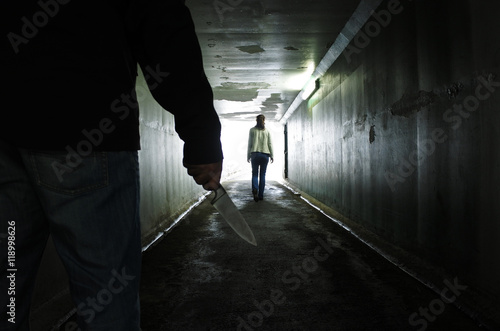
(259,167)
(90,207)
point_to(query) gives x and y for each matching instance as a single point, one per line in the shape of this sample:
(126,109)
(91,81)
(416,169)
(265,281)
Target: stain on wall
(412,103)
(372,134)
(454,90)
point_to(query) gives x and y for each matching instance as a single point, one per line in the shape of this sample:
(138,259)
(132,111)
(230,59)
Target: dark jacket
(69,69)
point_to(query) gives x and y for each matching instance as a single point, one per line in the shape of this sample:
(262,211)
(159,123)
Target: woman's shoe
(255,196)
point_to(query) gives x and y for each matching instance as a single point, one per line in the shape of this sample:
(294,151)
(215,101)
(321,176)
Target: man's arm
(165,42)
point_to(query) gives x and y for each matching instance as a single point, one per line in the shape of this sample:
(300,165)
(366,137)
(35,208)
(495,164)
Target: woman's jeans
(259,162)
(89,204)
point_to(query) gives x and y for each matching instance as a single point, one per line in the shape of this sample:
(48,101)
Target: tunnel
(385,121)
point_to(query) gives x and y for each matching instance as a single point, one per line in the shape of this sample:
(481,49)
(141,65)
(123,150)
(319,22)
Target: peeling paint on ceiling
(274,42)
(271,103)
(252,49)
(242,92)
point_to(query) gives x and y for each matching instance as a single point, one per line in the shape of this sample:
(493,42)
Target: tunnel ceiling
(259,54)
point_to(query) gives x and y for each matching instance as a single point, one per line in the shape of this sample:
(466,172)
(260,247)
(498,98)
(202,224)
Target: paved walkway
(306,273)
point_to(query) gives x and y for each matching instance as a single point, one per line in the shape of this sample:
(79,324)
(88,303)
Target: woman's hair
(260,122)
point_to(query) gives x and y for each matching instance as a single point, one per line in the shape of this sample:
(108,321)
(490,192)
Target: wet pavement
(307,273)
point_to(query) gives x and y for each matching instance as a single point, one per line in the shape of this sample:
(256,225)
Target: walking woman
(260,149)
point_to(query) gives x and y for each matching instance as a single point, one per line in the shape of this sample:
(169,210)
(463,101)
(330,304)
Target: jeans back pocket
(70,174)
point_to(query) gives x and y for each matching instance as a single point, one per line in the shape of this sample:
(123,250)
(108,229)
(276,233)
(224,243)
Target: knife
(223,203)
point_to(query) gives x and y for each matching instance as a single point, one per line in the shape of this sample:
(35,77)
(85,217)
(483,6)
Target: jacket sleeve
(270,144)
(166,46)
(250,144)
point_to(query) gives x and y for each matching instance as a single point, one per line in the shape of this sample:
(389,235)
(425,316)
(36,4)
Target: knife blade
(225,206)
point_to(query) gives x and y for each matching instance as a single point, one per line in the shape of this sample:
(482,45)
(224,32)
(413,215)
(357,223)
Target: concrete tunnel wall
(166,192)
(380,143)
(374,109)
(166,189)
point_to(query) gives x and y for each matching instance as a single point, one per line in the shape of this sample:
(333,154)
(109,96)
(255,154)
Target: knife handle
(218,194)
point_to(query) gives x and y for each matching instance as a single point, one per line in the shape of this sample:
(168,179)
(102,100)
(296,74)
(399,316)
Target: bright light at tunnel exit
(234,139)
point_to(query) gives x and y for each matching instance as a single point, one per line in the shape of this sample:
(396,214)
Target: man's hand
(206,175)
